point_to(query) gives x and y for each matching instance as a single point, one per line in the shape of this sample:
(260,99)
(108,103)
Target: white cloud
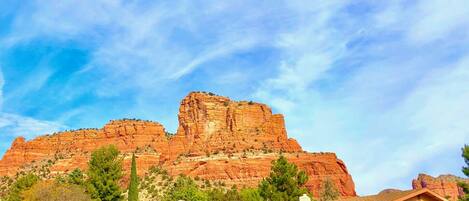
(438,19)
(387,108)
(16,125)
(393,114)
(136,46)
(13,125)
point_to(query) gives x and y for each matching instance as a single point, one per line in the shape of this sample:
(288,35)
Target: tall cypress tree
(133,185)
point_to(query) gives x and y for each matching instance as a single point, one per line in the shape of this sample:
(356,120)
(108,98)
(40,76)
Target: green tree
(22,183)
(329,191)
(465,170)
(285,182)
(76,177)
(133,185)
(104,173)
(185,189)
(250,194)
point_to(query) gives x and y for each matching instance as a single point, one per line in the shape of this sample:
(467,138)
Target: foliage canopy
(285,182)
(104,173)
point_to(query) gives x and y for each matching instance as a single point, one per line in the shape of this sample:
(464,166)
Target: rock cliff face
(444,185)
(217,139)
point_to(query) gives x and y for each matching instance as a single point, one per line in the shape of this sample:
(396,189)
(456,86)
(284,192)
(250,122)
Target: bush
(250,194)
(185,189)
(53,191)
(216,194)
(76,177)
(22,183)
(328,191)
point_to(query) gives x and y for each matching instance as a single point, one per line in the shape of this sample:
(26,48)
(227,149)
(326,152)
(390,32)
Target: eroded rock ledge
(217,139)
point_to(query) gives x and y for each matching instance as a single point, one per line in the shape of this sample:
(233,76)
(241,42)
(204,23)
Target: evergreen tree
(104,173)
(328,191)
(285,182)
(133,185)
(465,170)
(465,155)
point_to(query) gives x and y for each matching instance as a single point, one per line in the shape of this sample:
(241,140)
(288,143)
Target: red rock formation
(444,185)
(217,139)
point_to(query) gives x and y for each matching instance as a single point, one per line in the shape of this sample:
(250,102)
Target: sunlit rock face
(217,139)
(444,185)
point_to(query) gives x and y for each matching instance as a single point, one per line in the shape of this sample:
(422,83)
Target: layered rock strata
(217,139)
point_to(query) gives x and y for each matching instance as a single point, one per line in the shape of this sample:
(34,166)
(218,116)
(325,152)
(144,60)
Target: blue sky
(384,84)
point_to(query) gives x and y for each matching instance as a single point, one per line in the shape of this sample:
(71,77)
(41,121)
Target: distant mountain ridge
(217,139)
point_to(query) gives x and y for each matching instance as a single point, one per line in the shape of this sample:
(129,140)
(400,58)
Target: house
(305,197)
(397,195)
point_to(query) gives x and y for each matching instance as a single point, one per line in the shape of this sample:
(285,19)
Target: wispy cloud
(373,81)
(386,103)
(12,125)
(15,126)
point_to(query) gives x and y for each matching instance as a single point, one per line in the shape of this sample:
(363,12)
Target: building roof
(395,196)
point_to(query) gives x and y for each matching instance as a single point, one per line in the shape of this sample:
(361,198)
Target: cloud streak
(390,116)
(372,81)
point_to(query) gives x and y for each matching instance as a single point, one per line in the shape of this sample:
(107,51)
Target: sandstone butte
(217,139)
(444,185)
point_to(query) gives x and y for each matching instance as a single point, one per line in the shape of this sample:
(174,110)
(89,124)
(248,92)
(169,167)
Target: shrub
(22,183)
(185,189)
(76,177)
(50,190)
(328,191)
(250,194)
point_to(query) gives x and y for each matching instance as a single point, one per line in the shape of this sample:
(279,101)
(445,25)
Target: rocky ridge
(444,185)
(217,139)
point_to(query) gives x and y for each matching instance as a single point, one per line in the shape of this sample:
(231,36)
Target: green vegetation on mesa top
(101,183)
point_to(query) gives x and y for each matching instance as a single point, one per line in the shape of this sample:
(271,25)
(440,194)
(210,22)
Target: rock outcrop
(217,139)
(444,185)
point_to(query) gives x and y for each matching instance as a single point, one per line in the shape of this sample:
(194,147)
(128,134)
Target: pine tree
(285,182)
(133,185)
(104,173)
(465,170)
(328,191)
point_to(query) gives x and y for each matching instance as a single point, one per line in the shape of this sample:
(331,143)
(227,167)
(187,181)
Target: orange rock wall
(444,185)
(217,139)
